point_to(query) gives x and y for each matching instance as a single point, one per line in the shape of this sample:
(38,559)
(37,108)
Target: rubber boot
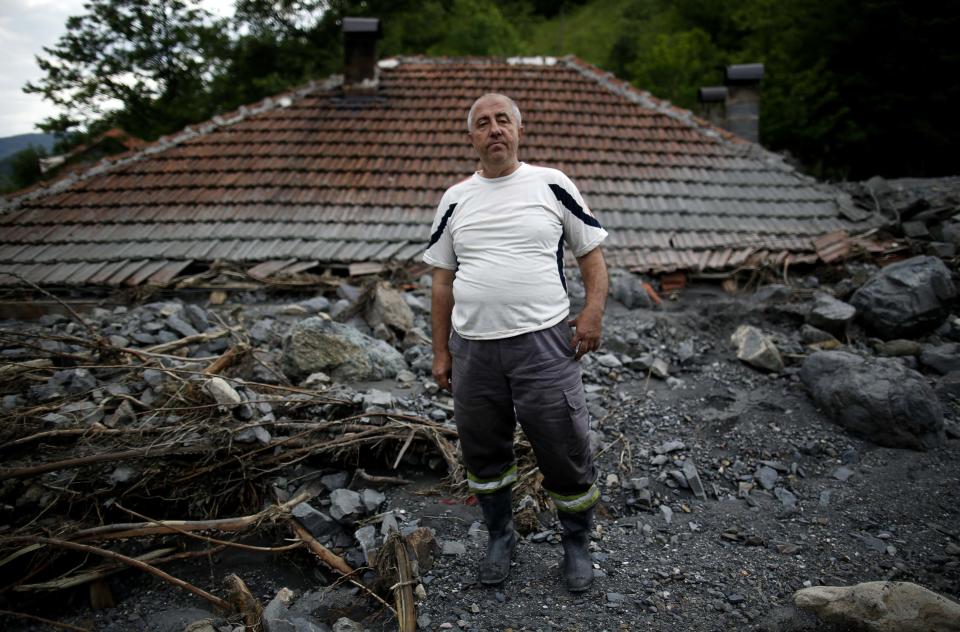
(498,515)
(577,565)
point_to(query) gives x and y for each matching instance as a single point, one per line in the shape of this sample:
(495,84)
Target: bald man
(503,341)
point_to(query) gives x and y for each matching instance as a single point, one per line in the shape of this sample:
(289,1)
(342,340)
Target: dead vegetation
(178,465)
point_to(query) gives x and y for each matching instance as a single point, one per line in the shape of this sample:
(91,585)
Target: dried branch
(50,622)
(129,561)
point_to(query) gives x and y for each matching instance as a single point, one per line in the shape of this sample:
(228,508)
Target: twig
(406,444)
(385,480)
(328,557)
(126,455)
(30,617)
(129,561)
(120,531)
(69,581)
(226,359)
(203,538)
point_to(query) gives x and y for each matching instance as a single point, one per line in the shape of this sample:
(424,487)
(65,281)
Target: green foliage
(852,87)
(476,27)
(23,168)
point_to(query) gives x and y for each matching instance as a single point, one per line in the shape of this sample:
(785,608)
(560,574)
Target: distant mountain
(12,144)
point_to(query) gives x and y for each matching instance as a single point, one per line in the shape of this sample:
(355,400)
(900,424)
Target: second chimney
(360,37)
(743,100)
(713,104)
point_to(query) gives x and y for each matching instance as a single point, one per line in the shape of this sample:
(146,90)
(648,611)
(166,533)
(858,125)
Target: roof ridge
(196,130)
(642,97)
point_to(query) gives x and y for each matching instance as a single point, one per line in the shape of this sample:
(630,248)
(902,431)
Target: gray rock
(666,447)
(773,293)
(810,335)
(315,521)
(943,358)
(880,400)
(905,299)
(315,304)
(222,392)
(345,505)
(609,360)
(756,349)
(898,347)
(197,316)
(181,326)
(693,480)
(343,624)
(367,537)
(372,499)
(376,397)
(831,315)
(343,352)
(387,307)
(667,514)
(275,616)
(881,607)
(628,289)
(767,477)
(842,474)
(453,548)
(335,480)
(786,497)
(262,330)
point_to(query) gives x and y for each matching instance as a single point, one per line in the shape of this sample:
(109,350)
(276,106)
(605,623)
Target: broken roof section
(316,178)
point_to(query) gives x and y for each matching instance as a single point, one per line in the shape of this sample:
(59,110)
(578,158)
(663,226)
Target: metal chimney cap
(745,73)
(361,25)
(712,94)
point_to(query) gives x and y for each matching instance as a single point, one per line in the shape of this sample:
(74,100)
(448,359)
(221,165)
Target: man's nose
(495,129)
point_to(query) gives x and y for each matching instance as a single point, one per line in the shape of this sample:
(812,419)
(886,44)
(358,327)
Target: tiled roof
(316,177)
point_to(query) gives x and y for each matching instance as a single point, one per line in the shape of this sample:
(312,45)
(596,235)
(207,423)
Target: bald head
(514,110)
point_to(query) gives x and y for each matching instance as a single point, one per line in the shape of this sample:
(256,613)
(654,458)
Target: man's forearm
(593,271)
(441,310)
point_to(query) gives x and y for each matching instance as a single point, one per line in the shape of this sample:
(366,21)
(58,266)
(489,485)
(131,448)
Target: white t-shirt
(504,238)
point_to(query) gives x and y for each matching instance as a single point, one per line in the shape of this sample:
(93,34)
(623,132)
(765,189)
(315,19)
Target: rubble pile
(747,447)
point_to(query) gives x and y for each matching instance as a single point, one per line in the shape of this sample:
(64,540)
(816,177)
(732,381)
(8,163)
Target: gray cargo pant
(535,379)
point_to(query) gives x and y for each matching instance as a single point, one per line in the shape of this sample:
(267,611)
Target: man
(497,250)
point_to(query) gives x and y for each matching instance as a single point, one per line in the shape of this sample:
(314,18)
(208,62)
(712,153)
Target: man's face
(495,135)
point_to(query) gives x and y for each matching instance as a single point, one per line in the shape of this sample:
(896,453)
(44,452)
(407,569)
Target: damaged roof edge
(190,132)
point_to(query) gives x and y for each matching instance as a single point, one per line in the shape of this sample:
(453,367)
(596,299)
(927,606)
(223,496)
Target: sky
(26,26)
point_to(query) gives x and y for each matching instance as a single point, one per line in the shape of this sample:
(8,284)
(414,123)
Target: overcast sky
(26,26)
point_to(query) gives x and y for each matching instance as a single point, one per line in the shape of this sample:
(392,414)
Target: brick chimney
(360,37)
(713,105)
(743,100)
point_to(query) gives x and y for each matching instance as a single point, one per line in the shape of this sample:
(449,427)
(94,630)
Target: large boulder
(881,607)
(319,345)
(905,299)
(880,400)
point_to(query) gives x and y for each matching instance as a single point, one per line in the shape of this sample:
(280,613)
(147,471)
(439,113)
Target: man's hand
(442,367)
(588,326)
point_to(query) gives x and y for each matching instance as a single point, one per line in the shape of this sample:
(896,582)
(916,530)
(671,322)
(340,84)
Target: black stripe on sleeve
(563,280)
(567,200)
(435,237)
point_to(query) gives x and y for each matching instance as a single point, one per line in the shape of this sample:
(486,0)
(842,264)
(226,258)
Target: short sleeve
(581,230)
(439,251)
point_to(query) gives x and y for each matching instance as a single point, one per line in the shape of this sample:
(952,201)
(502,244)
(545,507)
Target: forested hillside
(853,88)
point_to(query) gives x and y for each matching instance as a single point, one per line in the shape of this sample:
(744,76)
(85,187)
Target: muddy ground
(835,510)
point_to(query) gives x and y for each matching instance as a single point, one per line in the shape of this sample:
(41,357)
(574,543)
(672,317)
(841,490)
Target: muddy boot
(577,565)
(498,514)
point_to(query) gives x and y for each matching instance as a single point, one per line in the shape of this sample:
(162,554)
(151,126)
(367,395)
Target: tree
(23,167)
(144,64)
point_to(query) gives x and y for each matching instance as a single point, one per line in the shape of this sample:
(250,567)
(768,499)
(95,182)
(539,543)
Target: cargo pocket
(580,418)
